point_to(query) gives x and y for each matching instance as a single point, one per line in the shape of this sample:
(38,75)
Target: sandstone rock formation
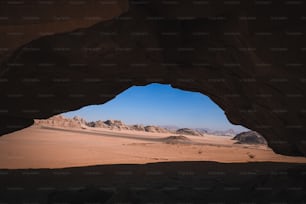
(61,121)
(157,129)
(188,131)
(97,124)
(110,124)
(250,137)
(116,124)
(137,127)
(248,58)
(78,122)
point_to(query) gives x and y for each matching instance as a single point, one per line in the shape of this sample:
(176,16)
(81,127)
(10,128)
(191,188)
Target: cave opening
(161,105)
(143,124)
(247,56)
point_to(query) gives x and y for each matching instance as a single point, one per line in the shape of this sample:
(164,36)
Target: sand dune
(123,166)
(52,147)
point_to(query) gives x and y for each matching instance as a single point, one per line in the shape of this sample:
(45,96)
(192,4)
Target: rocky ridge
(78,122)
(61,121)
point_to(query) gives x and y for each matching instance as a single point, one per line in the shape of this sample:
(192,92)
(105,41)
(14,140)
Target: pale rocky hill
(119,125)
(97,124)
(61,121)
(116,125)
(78,122)
(109,124)
(188,131)
(157,129)
(137,127)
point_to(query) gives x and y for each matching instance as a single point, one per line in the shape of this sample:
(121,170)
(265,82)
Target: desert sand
(44,164)
(52,147)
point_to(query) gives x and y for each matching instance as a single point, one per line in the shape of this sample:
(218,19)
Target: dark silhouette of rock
(188,131)
(84,195)
(245,57)
(250,137)
(163,182)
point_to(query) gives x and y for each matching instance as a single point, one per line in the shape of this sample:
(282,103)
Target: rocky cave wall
(248,57)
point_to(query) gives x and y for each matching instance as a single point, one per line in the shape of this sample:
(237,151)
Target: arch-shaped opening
(161,105)
(143,124)
(247,57)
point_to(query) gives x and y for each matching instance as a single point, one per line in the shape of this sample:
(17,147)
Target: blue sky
(158,104)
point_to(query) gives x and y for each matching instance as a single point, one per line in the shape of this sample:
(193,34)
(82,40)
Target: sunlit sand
(52,147)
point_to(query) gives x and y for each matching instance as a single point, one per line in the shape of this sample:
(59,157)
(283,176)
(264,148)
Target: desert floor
(125,167)
(50,147)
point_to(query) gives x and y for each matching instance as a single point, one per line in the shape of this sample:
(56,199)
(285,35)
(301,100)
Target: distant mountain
(229,132)
(188,131)
(170,127)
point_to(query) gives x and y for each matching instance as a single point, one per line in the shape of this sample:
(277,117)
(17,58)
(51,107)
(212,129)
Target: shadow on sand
(168,182)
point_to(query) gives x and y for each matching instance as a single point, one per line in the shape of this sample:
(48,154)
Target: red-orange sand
(43,147)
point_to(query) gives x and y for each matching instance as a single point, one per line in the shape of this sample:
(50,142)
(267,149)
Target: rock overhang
(247,58)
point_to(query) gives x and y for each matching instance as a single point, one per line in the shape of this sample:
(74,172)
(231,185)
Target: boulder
(250,137)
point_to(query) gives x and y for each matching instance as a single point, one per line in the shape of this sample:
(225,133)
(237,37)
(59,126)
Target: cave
(246,57)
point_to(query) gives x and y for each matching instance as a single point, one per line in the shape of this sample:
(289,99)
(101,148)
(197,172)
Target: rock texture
(119,125)
(250,137)
(78,122)
(164,182)
(61,121)
(116,124)
(97,124)
(248,58)
(25,21)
